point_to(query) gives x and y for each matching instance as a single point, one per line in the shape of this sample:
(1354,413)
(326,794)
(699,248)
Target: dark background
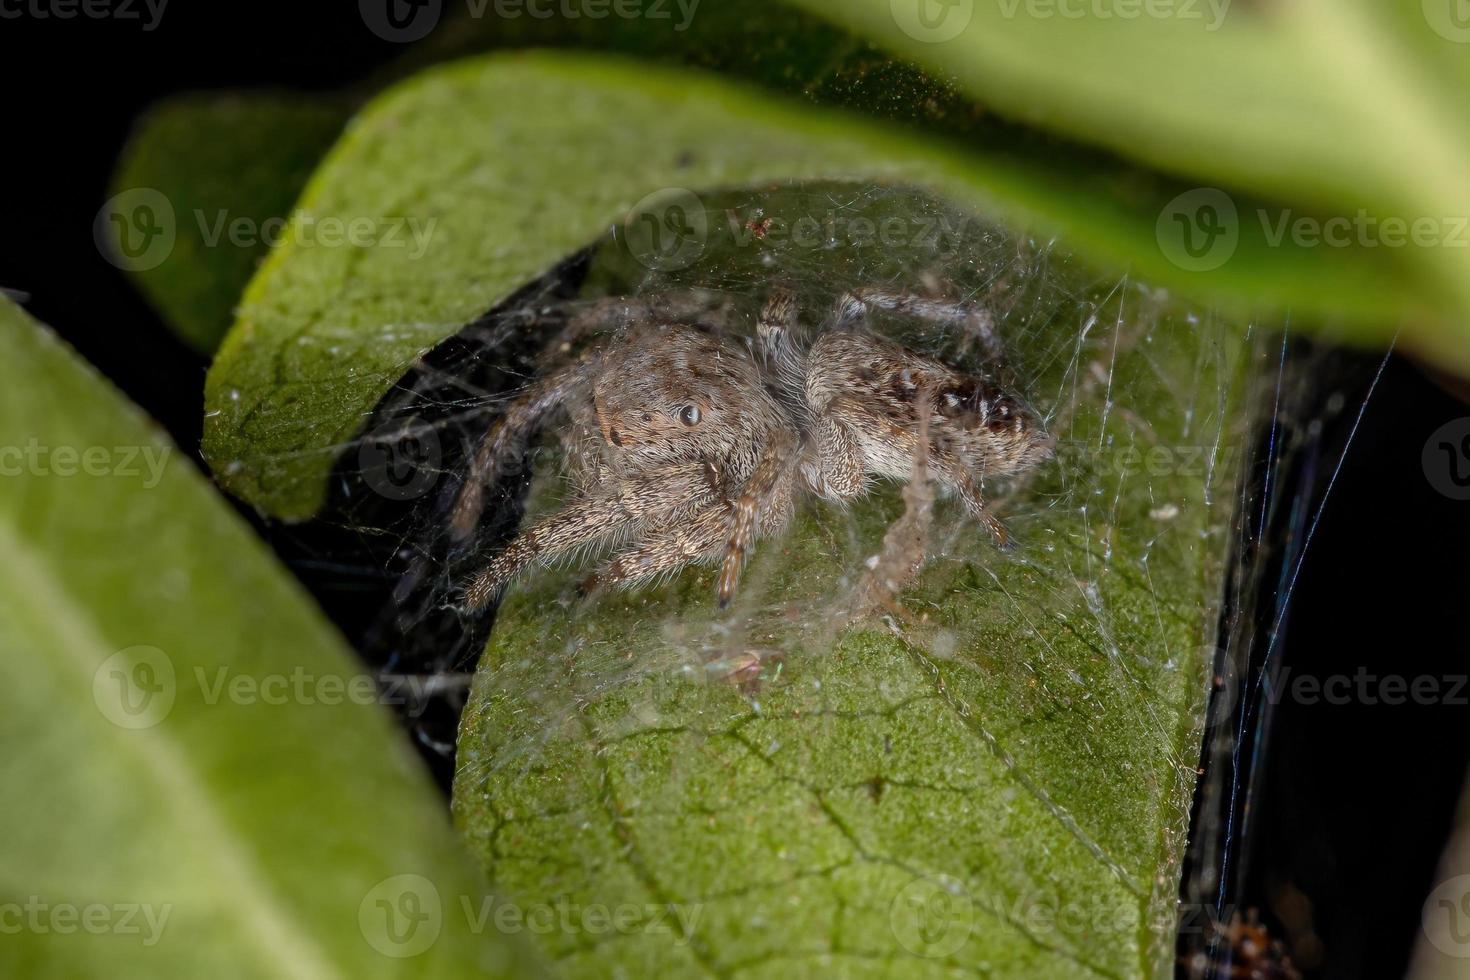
(1349,804)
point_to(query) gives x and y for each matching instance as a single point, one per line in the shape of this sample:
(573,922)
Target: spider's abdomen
(981,424)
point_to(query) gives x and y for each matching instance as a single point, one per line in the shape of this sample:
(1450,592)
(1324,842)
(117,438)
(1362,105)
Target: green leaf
(198,780)
(1334,108)
(1440,950)
(1024,748)
(229,168)
(995,780)
(1108,208)
(520,160)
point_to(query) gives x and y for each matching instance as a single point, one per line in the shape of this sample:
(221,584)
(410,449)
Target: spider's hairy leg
(508,439)
(666,548)
(906,542)
(832,464)
(775,326)
(666,493)
(974,320)
(764,506)
(849,413)
(612,313)
(969,493)
(581,523)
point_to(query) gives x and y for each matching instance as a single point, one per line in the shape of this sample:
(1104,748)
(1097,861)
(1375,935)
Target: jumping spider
(687,447)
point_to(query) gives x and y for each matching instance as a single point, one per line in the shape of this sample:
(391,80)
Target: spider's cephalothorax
(688,451)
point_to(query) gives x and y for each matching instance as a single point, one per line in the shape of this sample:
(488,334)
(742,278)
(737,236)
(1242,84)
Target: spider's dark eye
(647,417)
(689,415)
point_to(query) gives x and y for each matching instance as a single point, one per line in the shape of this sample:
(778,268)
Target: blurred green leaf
(230,167)
(1121,214)
(516,161)
(1440,952)
(197,781)
(1331,108)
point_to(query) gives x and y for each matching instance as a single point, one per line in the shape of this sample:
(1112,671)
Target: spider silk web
(1077,667)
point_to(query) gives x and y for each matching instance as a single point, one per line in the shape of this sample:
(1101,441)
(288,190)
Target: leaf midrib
(284,949)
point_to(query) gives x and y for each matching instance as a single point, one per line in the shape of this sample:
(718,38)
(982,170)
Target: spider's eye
(689,415)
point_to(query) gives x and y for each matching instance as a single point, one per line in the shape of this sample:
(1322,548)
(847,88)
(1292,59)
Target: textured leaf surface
(994,780)
(155,824)
(1023,749)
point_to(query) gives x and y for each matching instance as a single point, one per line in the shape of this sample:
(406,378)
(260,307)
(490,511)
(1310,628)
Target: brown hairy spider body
(689,451)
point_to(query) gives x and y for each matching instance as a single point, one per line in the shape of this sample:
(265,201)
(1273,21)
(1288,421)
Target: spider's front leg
(508,438)
(665,493)
(775,326)
(610,314)
(668,546)
(765,505)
